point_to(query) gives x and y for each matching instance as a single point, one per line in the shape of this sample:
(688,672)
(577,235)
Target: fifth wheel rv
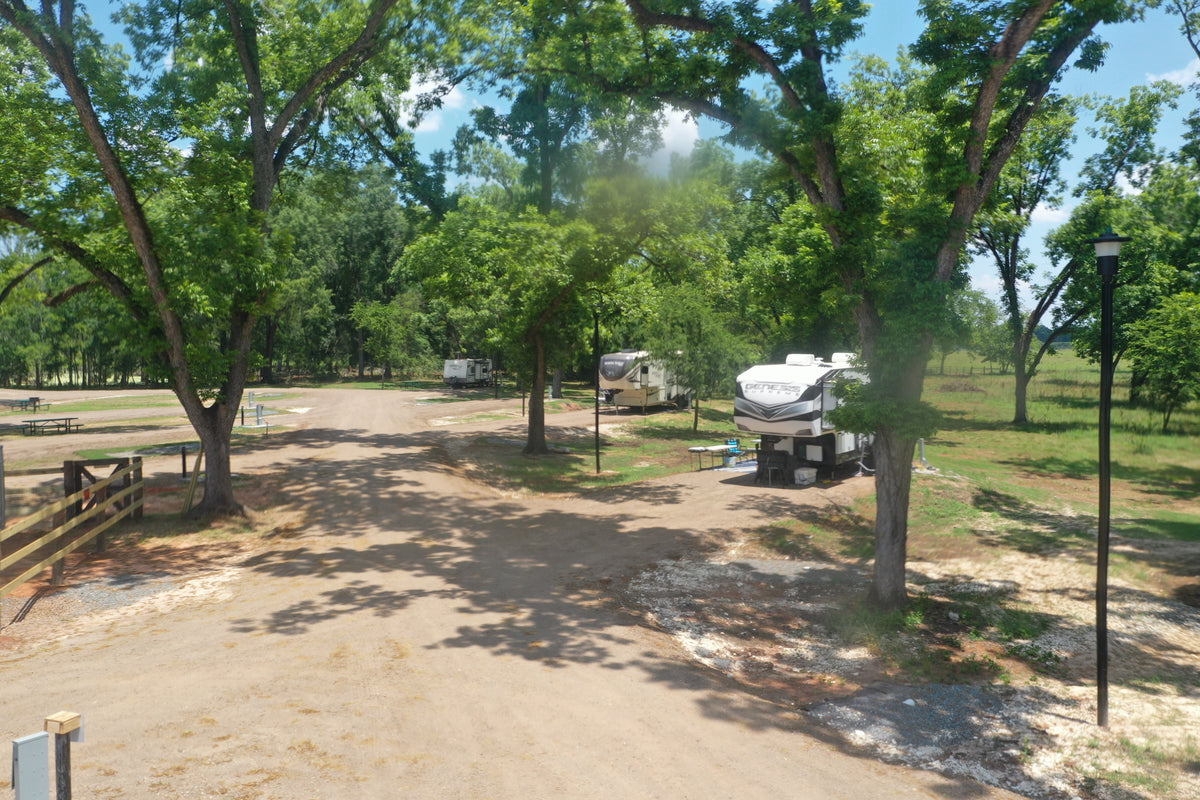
(786,405)
(629,378)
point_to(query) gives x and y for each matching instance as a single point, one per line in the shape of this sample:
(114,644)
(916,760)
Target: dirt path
(414,634)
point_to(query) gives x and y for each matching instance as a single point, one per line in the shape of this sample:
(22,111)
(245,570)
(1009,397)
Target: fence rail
(99,497)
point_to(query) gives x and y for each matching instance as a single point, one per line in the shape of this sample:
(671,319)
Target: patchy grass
(639,447)
(113,403)
(1149,765)
(840,534)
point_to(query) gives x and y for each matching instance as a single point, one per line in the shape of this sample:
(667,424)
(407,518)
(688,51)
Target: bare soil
(388,625)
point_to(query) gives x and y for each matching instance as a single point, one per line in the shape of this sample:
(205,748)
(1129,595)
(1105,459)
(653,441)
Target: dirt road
(417,635)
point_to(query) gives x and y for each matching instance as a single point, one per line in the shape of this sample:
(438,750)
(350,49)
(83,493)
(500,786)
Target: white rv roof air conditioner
(801,360)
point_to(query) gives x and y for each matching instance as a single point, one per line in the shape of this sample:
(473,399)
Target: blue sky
(1139,53)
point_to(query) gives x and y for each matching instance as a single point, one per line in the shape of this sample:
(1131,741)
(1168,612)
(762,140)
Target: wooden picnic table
(51,425)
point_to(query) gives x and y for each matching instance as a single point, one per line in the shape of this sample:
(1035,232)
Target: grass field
(1050,462)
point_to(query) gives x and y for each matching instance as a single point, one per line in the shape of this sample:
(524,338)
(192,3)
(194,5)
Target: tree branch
(67,294)
(83,257)
(646,18)
(15,282)
(338,70)
(985,161)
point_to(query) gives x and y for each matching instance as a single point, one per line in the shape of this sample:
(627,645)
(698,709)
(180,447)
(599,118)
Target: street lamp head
(1108,247)
(1108,243)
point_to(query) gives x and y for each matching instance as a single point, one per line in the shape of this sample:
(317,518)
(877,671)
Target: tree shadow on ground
(538,581)
(1038,531)
(1170,480)
(1041,532)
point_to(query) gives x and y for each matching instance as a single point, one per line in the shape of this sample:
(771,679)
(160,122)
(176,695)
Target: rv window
(645,369)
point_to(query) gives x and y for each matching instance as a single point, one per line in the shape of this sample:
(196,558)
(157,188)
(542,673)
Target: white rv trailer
(786,405)
(467,372)
(630,378)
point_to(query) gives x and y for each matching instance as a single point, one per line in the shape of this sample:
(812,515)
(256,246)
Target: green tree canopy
(894,200)
(165,177)
(1165,348)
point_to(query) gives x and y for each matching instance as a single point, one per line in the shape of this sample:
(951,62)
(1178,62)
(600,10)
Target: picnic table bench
(34,427)
(26,404)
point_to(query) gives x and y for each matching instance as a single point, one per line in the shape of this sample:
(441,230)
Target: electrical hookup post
(31,758)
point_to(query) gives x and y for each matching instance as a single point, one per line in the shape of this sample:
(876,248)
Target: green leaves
(1165,350)
(1127,128)
(867,408)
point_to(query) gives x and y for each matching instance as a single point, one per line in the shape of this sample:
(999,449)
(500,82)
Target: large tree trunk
(214,429)
(1022,375)
(902,383)
(1020,414)
(535,443)
(214,423)
(893,479)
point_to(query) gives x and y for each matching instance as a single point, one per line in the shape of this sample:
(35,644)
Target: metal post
(183,461)
(596,353)
(1106,381)
(1108,248)
(3,493)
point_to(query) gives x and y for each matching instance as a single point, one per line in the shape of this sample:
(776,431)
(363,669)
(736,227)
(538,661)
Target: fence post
(71,485)
(3,493)
(139,494)
(191,490)
(65,725)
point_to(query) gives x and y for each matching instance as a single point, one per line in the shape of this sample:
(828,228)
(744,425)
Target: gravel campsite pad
(764,622)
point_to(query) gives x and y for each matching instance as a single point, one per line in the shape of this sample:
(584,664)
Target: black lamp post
(1108,248)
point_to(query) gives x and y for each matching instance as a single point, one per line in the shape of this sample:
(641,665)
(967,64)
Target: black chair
(770,464)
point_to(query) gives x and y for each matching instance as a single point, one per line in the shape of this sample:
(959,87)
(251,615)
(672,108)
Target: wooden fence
(82,518)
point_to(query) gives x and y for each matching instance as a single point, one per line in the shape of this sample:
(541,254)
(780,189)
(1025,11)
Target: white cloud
(1184,77)
(1127,187)
(679,136)
(989,284)
(1045,215)
(452,100)
(679,133)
